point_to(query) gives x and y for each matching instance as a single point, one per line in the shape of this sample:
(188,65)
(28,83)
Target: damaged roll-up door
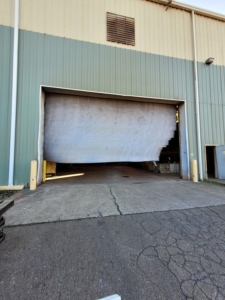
(94,130)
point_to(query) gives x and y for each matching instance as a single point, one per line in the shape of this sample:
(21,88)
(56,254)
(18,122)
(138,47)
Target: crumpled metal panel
(89,130)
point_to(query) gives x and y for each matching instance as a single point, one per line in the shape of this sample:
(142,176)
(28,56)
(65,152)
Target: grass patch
(214,182)
(6,194)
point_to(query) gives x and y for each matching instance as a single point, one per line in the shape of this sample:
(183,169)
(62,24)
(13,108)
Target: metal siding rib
(219,116)
(6,42)
(223,118)
(202,109)
(222,84)
(215,132)
(183,78)
(121,70)
(78,63)
(133,69)
(101,69)
(214,91)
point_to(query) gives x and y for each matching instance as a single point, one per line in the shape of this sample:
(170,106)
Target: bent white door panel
(91,130)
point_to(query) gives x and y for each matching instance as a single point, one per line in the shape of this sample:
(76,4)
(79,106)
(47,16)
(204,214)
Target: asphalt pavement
(115,230)
(177,254)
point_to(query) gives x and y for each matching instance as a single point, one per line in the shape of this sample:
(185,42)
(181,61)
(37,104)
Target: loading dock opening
(122,172)
(105,173)
(168,163)
(183,140)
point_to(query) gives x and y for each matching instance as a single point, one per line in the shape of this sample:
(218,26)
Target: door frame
(215,161)
(183,132)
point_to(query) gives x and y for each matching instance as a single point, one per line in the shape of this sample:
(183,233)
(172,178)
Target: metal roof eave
(190,8)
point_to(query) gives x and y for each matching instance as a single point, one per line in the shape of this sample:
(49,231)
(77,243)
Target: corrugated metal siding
(210,39)
(212,104)
(55,61)
(7,12)
(6,42)
(157,31)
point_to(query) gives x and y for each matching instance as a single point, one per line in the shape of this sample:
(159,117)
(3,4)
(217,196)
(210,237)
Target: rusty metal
(168,5)
(120,29)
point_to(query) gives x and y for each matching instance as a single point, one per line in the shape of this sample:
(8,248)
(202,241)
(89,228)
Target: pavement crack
(100,214)
(209,208)
(139,267)
(114,200)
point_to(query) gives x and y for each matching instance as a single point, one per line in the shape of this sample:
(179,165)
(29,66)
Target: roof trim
(190,8)
(95,94)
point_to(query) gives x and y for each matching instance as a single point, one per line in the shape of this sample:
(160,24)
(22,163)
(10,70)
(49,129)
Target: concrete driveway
(117,191)
(160,238)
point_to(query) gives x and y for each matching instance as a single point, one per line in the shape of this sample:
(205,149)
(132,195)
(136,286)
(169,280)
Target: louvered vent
(120,29)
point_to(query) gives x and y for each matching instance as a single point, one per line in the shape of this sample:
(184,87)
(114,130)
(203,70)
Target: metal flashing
(77,92)
(190,8)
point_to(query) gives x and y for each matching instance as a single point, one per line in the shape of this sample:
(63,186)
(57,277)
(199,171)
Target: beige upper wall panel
(210,36)
(158,31)
(7,12)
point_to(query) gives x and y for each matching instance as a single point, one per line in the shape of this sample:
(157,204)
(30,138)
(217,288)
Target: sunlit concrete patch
(63,203)
(51,203)
(64,176)
(165,196)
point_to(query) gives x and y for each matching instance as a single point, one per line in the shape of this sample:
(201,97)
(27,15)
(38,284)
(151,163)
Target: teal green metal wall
(212,106)
(61,62)
(6,54)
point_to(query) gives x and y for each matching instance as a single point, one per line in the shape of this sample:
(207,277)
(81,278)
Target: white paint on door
(93,130)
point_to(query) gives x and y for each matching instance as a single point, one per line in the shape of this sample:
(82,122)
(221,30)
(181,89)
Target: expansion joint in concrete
(114,199)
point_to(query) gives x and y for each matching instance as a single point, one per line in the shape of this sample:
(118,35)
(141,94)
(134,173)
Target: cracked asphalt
(177,254)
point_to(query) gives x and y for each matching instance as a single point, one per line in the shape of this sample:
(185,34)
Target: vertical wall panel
(6,44)
(212,99)
(192,137)
(7,12)
(210,39)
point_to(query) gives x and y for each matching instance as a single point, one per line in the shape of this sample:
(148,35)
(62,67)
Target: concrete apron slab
(57,203)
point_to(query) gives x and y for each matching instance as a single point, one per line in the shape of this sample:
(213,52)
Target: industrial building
(109,81)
